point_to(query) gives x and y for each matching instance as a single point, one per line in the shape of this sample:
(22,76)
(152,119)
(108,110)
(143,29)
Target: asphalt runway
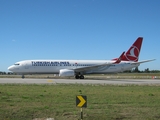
(80,81)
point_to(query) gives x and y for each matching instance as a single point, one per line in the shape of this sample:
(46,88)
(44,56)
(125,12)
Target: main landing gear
(79,77)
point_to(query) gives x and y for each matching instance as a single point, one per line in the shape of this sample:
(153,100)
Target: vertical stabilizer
(133,52)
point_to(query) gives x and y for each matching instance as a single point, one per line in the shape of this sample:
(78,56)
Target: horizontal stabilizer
(144,61)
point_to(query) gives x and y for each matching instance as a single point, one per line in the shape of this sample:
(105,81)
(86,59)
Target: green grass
(104,102)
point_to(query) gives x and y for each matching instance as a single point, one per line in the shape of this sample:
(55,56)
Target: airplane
(79,68)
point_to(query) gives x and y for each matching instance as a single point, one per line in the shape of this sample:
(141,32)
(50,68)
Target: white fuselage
(78,68)
(54,66)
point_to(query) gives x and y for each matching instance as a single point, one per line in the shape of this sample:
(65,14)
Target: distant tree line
(6,73)
(136,70)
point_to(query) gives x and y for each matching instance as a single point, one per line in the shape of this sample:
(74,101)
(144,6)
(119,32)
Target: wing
(84,69)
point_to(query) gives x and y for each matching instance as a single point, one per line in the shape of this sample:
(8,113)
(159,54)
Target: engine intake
(66,72)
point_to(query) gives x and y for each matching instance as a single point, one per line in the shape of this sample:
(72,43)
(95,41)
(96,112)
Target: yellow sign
(81,101)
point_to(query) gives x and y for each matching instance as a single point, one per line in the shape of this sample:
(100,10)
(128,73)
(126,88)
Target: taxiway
(79,81)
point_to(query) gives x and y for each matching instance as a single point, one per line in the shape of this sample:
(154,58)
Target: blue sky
(78,29)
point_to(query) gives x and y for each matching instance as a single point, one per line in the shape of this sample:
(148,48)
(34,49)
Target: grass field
(104,102)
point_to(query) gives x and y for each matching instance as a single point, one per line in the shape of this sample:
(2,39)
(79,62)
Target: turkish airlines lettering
(79,68)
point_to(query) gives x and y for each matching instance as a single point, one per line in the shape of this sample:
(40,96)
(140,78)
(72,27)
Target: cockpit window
(16,64)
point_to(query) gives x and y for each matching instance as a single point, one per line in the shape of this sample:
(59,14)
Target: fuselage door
(26,66)
(76,64)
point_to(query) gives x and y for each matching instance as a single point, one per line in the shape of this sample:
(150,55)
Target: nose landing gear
(23,76)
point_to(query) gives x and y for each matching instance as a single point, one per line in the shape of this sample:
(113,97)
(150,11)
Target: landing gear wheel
(23,76)
(81,77)
(77,76)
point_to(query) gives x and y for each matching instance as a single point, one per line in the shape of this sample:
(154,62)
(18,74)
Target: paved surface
(79,81)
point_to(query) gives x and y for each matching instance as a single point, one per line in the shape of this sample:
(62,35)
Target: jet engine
(66,72)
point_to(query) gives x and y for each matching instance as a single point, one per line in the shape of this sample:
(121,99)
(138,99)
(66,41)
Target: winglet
(119,59)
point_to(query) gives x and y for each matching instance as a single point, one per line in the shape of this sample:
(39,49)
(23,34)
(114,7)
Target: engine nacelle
(66,72)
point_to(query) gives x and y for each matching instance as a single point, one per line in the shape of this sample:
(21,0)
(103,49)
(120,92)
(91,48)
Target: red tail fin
(133,52)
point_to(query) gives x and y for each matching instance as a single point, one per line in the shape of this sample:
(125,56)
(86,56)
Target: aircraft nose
(10,68)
